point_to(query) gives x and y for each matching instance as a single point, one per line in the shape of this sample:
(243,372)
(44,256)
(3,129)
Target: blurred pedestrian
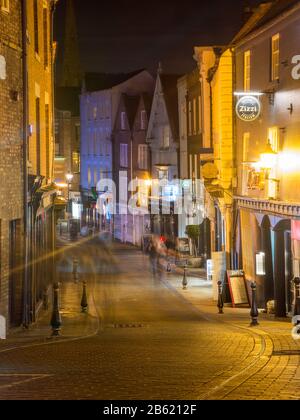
(153,257)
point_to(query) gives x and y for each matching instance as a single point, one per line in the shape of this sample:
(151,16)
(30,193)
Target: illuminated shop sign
(248,108)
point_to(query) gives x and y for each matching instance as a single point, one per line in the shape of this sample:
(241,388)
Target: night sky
(126,35)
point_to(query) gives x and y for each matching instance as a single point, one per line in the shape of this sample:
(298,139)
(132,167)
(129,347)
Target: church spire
(71,72)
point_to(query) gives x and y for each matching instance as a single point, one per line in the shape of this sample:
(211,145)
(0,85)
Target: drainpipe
(234,262)
(26,309)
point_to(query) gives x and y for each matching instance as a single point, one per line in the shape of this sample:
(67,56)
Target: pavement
(145,337)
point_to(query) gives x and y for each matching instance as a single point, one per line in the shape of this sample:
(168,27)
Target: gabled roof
(131,106)
(170,92)
(263,14)
(147,99)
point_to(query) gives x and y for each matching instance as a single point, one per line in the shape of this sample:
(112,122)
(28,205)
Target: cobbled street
(142,339)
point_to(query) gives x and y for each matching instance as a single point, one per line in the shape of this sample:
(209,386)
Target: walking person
(153,257)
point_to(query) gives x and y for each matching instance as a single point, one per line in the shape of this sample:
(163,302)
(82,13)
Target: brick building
(11,178)
(26,158)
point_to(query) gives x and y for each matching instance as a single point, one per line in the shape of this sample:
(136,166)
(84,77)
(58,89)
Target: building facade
(98,110)
(40,217)
(163,138)
(131,163)
(216,165)
(11,161)
(267,68)
(27,228)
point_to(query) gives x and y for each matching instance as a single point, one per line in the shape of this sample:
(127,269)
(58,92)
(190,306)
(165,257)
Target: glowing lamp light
(69,178)
(148,183)
(268,158)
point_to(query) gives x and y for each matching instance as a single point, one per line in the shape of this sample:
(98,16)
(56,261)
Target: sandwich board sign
(2,328)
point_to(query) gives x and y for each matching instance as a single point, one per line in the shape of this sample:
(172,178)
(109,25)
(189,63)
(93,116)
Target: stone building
(11,161)
(267,57)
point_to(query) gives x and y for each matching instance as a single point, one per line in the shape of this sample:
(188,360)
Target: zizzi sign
(248,108)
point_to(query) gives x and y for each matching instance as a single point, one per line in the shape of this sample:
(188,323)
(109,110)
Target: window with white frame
(195,116)
(124,155)
(143,120)
(123,120)
(275,57)
(190,118)
(247,71)
(199,113)
(5,6)
(143,157)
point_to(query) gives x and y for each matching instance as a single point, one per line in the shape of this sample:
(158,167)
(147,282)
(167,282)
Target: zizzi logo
(296,69)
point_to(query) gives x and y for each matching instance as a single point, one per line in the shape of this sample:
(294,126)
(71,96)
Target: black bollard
(220,297)
(84,301)
(56,318)
(184,280)
(254,310)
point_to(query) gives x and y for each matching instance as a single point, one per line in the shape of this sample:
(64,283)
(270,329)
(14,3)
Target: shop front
(268,247)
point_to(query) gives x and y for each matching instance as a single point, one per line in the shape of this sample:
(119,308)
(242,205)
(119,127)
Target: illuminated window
(199,113)
(273,136)
(247,71)
(275,57)
(89,177)
(143,157)
(95,176)
(166,137)
(195,116)
(190,118)
(246,140)
(5,6)
(76,161)
(95,112)
(46,37)
(124,155)
(143,120)
(123,120)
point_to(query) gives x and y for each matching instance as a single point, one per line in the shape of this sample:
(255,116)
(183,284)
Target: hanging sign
(248,108)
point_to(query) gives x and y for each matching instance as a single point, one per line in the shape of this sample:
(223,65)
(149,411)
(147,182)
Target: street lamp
(69,178)
(268,157)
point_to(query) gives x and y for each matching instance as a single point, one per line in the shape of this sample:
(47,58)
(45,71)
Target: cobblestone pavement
(145,338)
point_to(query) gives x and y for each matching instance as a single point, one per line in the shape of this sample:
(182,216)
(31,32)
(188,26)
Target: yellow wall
(222,86)
(40,84)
